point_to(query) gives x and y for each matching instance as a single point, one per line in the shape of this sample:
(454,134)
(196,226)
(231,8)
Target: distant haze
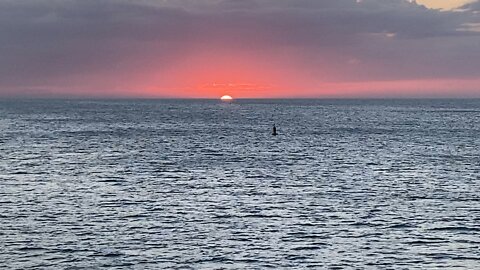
(248,48)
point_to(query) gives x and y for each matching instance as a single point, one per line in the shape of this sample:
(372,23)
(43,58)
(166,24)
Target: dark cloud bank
(58,43)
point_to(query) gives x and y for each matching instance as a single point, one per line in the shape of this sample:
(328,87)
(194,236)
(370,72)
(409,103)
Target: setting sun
(226,98)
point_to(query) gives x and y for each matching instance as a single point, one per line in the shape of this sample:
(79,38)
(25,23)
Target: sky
(243,48)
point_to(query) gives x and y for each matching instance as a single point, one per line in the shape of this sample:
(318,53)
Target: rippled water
(380,184)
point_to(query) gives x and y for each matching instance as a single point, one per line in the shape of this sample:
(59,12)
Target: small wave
(423,242)
(309,247)
(400,226)
(455,228)
(31,249)
(20,173)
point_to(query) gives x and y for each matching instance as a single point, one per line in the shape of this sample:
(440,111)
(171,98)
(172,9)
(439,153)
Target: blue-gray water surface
(201,184)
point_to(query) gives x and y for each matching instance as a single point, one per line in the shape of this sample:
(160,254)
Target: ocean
(202,184)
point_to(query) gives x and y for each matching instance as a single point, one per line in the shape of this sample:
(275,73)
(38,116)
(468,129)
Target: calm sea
(201,184)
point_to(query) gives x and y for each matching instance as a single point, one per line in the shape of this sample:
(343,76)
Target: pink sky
(247,49)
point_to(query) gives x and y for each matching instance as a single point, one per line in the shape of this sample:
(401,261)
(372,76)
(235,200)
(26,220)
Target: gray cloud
(47,42)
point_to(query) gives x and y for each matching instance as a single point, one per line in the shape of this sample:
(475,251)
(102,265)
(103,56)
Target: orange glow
(249,74)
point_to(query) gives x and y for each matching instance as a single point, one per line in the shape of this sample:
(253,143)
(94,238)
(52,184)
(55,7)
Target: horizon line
(234,99)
